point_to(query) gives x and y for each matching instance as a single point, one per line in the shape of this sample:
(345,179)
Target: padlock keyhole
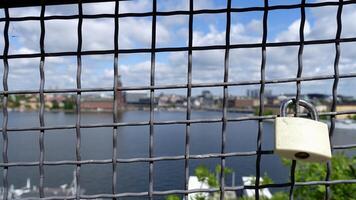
(302,155)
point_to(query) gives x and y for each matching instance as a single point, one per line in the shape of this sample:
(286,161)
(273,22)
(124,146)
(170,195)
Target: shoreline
(341,123)
(125,110)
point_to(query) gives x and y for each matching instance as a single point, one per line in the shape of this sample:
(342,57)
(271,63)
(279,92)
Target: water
(169,140)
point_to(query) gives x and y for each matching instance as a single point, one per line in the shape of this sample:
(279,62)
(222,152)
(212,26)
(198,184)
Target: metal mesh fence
(6,5)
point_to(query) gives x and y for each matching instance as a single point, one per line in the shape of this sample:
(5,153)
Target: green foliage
(323,117)
(342,167)
(200,197)
(253,198)
(266,179)
(205,175)
(280,196)
(276,196)
(55,105)
(353,117)
(14,100)
(172,197)
(226,170)
(69,104)
(265,112)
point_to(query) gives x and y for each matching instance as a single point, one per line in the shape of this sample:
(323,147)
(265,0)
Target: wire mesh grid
(188,121)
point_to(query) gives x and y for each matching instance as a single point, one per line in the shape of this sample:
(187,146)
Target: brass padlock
(300,138)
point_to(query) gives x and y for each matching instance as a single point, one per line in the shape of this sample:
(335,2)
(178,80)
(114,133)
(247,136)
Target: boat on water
(195,184)
(250,180)
(32,191)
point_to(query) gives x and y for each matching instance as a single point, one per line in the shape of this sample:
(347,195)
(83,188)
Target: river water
(169,140)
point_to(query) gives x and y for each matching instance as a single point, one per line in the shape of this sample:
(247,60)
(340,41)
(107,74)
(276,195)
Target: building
(119,96)
(205,100)
(255,93)
(243,103)
(318,97)
(345,107)
(273,100)
(97,104)
(343,98)
(136,97)
(103,103)
(171,100)
(138,100)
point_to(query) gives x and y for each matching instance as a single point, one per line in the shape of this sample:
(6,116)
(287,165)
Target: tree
(343,167)
(172,197)
(353,117)
(68,104)
(204,175)
(265,112)
(267,180)
(55,105)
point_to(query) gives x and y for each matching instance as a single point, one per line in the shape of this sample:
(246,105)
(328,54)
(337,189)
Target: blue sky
(172,31)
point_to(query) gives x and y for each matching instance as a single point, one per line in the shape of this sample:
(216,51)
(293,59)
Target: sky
(172,31)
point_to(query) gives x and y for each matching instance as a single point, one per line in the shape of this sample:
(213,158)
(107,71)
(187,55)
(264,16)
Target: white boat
(250,180)
(29,191)
(195,184)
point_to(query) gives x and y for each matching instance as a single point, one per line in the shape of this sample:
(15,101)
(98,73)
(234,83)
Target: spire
(119,97)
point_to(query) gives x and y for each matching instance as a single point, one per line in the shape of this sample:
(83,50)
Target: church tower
(119,95)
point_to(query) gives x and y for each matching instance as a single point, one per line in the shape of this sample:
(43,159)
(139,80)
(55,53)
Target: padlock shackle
(310,107)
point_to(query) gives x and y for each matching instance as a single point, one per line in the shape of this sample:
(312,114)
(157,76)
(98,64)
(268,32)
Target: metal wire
(298,83)
(225,99)
(189,95)
(262,97)
(334,92)
(115,106)
(78,104)
(152,97)
(5,112)
(116,89)
(42,102)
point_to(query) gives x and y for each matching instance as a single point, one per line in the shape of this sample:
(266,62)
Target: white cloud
(292,34)
(172,68)
(98,34)
(213,37)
